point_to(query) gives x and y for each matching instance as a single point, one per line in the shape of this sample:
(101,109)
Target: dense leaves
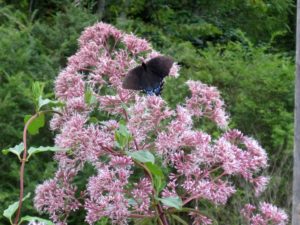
(229,44)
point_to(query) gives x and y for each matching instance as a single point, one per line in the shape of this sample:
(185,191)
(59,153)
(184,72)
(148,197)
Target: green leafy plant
(32,125)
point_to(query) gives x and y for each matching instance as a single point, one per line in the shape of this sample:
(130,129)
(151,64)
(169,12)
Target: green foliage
(258,88)
(35,150)
(173,201)
(142,156)
(36,123)
(122,136)
(159,179)
(36,219)
(17,150)
(230,44)
(10,211)
(209,20)
(31,50)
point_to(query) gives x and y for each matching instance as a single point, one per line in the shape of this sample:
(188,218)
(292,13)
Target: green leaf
(37,91)
(17,150)
(122,136)
(132,202)
(93,119)
(154,169)
(142,156)
(123,129)
(159,181)
(49,102)
(35,150)
(179,219)
(36,124)
(36,219)
(174,202)
(9,212)
(38,88)
(43,102)
(89,97)
(124,106)
(103,221)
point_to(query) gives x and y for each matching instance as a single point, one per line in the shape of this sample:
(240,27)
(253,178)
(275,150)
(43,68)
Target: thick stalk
(22,168)
(23,161)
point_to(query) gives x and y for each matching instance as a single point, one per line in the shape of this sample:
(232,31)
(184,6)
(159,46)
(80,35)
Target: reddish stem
(23,161)
(161,213)
(23,167)
(141,216)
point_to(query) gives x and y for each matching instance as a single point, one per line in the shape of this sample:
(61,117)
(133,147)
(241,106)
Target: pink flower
(169,141)
(174,71)
(200,219)
(107,192)
(272,213)
(206,101)
(77,104)
(135,45)
(257,154)
(72,132)
(146,115)
(87,56)
(267,214)
(141,195)
(260,184)
(202,165)
(69,84)
(56,199)
(99,33)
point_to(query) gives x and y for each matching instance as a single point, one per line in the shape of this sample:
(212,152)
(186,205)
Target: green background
(243,47)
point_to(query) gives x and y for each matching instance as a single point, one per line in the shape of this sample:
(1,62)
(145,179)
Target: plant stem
(162,215)
(23,161)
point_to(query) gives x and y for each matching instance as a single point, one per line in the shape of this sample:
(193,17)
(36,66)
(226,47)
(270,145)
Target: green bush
(207,38)
(30,51)
(258,90)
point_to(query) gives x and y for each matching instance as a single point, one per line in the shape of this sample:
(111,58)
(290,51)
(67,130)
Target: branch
(23,161)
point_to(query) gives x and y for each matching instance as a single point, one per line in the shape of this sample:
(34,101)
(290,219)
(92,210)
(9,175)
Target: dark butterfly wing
(150,80)
(160,65)
(149,77)
(133,78)
(157,69)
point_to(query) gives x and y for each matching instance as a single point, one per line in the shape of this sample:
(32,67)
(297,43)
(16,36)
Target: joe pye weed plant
(152,163)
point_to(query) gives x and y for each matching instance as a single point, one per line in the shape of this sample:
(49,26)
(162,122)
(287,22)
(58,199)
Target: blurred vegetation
(244,47)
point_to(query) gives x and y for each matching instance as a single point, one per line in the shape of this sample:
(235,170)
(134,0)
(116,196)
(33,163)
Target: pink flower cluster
(56,199)
(202,167)
(206,101)
(107,192)
(200,219)
(267,214)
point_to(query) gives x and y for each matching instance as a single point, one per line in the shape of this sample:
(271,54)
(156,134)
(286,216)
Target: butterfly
(149,76)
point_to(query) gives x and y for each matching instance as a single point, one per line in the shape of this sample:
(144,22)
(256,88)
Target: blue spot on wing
(154,91)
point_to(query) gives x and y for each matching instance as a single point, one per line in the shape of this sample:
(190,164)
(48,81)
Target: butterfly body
(149,76)
(154,91)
